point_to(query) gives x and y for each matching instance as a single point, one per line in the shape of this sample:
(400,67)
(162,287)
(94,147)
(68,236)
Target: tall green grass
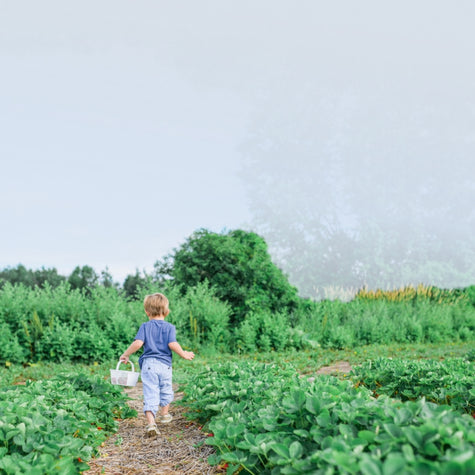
(64,325)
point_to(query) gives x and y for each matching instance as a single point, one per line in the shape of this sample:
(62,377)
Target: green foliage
(133,284)
(53,426)
(451,381)
(360,322)
(83,278)
(62,324)
(200,317)
(470,293)
(10,349)
(264,419)
(237,265)
(65,324)
(31,278)
(263,331)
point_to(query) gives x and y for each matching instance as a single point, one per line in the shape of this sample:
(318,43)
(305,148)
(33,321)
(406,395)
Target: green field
(268,413)
(407,405)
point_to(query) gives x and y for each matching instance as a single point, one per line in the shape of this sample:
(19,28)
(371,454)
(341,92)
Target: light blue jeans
(157,384)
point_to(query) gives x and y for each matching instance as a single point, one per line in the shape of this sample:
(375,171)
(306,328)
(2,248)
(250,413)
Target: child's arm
(175,346)
(136,345)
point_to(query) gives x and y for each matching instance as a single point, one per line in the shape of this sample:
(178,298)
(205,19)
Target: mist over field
(342,132)
(359,165)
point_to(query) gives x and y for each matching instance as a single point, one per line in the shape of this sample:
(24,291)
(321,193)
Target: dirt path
(178,450)
(336,368)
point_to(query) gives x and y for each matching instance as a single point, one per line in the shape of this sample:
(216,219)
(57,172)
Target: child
(159,340)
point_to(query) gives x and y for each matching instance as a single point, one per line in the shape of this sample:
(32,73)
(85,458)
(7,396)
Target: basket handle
(118,364)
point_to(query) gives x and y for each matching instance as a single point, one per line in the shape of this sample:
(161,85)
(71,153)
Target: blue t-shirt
(156,334)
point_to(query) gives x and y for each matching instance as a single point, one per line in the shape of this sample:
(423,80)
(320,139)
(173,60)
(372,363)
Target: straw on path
(178,450)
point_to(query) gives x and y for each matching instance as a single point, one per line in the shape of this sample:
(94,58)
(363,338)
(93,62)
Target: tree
(106,279)
(133,283)
(84,278)
(347,200)
(31,278)
(237,265)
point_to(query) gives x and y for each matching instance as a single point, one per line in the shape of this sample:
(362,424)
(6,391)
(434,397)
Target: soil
(336,368)
(180,448)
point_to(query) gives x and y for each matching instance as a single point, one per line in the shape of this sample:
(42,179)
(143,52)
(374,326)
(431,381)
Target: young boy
(159,340)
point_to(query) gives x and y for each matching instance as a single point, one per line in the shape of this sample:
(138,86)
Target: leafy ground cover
(310,360)
(225,390)
(53,426)
(267,419)
(451,381)
(13,374)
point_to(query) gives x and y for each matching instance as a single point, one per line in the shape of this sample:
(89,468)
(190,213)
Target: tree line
(236,263)
(82,277)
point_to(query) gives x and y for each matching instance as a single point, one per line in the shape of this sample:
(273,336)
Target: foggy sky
(126,126)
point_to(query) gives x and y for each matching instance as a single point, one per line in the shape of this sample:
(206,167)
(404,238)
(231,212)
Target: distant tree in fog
(351,192)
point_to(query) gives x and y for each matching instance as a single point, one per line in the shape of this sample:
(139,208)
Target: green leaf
(453,468)
(238,457)
(346,430)
(234,430)
(464,456)
(312,403)
(299,398)
(408,452)
(232,468)
(394,464)
(214,459)
(413,436)
(369,466)
(281,450)
(431,449)
(366,435)
(302,433)
(393,430)
(295,450)
(324,419)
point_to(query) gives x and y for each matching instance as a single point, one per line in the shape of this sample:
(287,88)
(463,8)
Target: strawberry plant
(269,420)
(52,426)
(451,381)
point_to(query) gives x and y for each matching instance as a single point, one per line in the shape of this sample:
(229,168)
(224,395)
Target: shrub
(199,316)
(264,331)
(10,349)
(237,265)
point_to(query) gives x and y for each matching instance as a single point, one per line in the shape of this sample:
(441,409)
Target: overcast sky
(122,123)
(111,153)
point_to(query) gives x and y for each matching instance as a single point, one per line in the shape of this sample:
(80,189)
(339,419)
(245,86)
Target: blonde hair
(156,305)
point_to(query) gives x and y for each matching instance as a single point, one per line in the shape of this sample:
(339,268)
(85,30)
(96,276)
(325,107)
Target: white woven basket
(124,378)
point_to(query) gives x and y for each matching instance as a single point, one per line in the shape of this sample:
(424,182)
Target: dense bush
(238,266)
(200,317)
(340,325)
(62,324)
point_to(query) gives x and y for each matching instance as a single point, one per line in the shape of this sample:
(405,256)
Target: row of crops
(387,416)
(54,426)
(266,418)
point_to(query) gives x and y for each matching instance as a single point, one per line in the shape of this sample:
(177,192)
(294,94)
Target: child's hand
(188,355)
(124,359)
